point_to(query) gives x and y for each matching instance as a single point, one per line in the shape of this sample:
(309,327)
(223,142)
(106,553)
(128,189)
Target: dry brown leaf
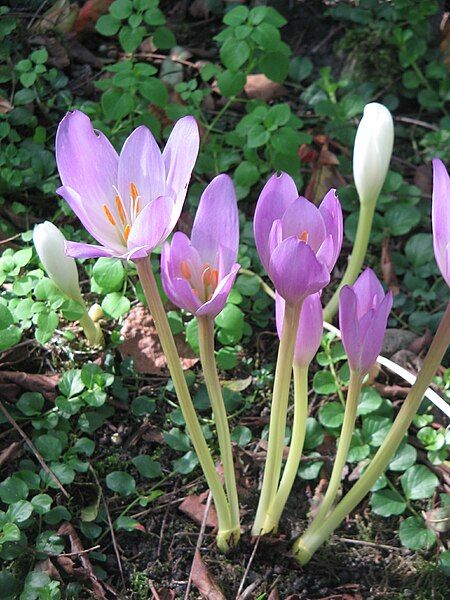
(19,382)
(204,581)
(325,174)
(60,17)
(261,87)
(445,43)
(89,13)
(387,267)
(143,346)
(5,106)
(194,507)
(274,595)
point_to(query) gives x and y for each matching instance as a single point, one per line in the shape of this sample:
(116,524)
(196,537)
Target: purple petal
(441,216)
(140,163)
(87,163)
(349,326)
(175,287)
(217,221)
(276,196)
(372,341)
(213,307)
(331,211)
(295,270)
(80,250)
(151,226)
(99,227)
(179,157)
(368,290)
(325,254)
(302,217)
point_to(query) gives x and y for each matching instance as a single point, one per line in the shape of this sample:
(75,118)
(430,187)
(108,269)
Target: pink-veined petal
(304,220)
(81,250)
(441,215)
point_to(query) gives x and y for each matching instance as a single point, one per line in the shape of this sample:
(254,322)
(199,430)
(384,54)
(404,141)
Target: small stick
(199,543)
(78,552)
(33,449)
(247,568)
(113,537)
(371,544)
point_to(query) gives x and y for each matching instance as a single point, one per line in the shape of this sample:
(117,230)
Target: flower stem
(305,547)
(277,425)
(345,439)
(206,342)
(92,330)
(155,304)
(358,254)
(296,448)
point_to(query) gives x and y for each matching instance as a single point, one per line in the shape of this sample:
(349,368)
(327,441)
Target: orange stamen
(121,210)
(207,276)
(185,270)
(304,237)
(109,215)
(133,190)
(214,278)
(126,232)
(138,206)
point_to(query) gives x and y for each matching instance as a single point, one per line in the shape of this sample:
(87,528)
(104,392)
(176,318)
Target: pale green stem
(358,254)
(305,547)
(194,429)
(278,411)
(348,426)
(295,451)
(92,330)
(206,343)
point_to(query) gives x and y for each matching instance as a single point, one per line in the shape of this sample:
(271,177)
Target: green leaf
(19,511)
(143,405)
(227,358)
(324,383)
(107,25)
(41,503)
(387,502)
(241,435)
(234,53)
(192,335)
(6,317)
(246,174)
(147,467)
(109,274)
(13,489)
(418,482)
(314,434)
(375,429)
(300,68)
(275,66)
(9,586)
(404,458)
(9,337)
(414,534)
(71,383)
(130,39)
(117,104)
(120,482)
(444,563)
(49,446)
(230,83)
(331,415)
(154,90)
(310,469)
(369,401)
(401,218)
(164,38)
(115,305)
(186,464)
(257,136)
(231,318)
(49,543)
(236,16)
(121,9)
(31,404)
(278,115)
(177,440)
(10,533)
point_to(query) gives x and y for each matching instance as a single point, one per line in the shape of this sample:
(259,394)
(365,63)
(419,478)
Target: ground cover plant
(118,480)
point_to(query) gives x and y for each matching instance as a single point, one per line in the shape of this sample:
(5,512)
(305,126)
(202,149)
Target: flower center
(303,237)
(119,219)
(206,284)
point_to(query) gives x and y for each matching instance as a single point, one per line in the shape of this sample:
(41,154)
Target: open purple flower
(310,327)
(363,313)
(128,203)
(297,242)
(197,274)
(441,218)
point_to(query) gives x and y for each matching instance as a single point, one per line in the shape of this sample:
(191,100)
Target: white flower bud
(372,151)
(50,246)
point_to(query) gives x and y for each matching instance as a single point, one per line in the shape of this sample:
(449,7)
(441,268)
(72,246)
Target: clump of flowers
(130,204)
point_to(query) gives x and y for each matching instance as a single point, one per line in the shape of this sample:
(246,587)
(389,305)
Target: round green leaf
(387,502)
(414,534)
(109,274)
(115,305)
(241,435)
(331,415)
(324,383)
(147,467)
(404,458)
(120,482)
(418,482)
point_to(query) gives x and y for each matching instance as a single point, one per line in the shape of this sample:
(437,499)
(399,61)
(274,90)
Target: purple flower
(128,203)
(309,333)
(441,218)
(298,243)
(197,274)
(363,312)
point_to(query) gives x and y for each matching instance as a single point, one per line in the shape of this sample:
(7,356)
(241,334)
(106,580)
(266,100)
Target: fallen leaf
(20,382)
(261,87)
(194,507)
(445,43)
(325,174)
(204,581)
(89,14)
(438,519)
(60,17)
(5,106)
(274,595)
(387,267)
(143,346)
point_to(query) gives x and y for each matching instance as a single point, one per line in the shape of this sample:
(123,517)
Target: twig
(247,568)
(199,543)
(77,553)
(113,537)
(10,239)
(33,449)
(423,124)
(371,544)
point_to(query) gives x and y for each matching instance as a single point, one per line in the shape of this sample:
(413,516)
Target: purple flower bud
(297,242)
(198,274)
(128,203)
(310,327)
(441,218)
(363,313)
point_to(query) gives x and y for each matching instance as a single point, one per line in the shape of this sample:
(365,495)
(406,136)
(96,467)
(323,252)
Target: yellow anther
(108,214)
(126,232)
(121,210)
(303,237)
(185,270)
(133,191)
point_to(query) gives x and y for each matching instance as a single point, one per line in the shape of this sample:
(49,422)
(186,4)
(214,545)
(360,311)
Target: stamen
(214,278)
(133,191)
(126,232)
(207,276)
(121,210)
(109,215)
(303,237)
(185,270)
